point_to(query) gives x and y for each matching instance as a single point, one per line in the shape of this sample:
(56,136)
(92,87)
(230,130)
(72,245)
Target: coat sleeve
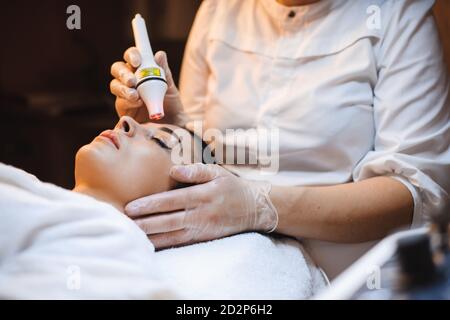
(411,109)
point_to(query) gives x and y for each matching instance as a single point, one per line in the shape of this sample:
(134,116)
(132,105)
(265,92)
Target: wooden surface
(442,14)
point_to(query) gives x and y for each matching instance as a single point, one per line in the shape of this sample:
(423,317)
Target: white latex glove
(219,205)
(128,102)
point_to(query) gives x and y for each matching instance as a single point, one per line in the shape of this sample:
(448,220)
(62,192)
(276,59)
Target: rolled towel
(244,266)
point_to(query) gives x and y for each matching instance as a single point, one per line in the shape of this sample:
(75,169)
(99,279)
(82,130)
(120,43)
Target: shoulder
(406,21)
(225,3)
(401,12)
(394,22)
(406,6)
(227,7)
(212,6)
(211,10)
(390,10)
(394,6)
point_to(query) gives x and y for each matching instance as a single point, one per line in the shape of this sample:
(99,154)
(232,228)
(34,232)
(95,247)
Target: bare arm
(352,212)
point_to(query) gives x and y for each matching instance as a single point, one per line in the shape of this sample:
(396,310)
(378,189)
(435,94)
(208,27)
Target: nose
(128,125)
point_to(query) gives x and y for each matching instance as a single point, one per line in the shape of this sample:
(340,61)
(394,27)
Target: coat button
(291,14)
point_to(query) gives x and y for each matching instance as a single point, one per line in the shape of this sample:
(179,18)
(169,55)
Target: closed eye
(161,143)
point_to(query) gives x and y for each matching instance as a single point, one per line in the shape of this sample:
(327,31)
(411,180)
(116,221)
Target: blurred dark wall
(54,82)
(40,53)
(442,14)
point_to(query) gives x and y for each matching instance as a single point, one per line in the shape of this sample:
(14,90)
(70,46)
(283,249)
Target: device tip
(137,15)
(157,116)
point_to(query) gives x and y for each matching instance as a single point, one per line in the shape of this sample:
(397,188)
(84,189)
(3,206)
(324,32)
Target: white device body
(151,78)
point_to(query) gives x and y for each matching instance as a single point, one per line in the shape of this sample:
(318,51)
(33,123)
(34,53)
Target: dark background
(54,82)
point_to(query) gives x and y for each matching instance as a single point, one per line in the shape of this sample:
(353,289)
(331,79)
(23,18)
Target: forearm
(352,212)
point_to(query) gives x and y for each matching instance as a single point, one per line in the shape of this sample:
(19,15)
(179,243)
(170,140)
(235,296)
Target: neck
(99,195)
(292,3)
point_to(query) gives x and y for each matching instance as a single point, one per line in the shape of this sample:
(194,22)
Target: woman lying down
(56,243)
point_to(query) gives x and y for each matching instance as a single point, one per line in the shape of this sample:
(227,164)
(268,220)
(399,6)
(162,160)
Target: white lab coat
(356,88)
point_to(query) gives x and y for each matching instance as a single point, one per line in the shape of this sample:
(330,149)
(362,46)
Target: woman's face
(129,162)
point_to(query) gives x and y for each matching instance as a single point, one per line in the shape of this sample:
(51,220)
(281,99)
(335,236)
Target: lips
(112,136)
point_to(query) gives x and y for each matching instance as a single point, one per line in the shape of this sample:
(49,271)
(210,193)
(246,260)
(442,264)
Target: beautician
(359,93)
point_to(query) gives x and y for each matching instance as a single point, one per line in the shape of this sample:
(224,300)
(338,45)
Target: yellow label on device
(150,72)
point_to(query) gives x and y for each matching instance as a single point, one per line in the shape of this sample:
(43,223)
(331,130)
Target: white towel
(58,244)
(245,266)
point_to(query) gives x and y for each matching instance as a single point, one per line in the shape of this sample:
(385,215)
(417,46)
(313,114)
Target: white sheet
(58,244)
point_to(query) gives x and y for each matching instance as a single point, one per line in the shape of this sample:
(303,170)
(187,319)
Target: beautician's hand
(220,204)
(128,101)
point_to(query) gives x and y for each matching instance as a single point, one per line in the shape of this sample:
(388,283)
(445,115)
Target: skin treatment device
(151,79)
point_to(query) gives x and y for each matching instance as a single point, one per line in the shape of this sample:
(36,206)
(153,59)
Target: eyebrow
(170,131)
(166,129)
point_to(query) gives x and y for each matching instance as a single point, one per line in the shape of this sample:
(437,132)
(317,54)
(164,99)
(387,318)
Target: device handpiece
(151,78)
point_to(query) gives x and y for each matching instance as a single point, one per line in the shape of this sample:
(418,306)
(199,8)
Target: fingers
(133,57)
(161,60)
(123,72)
(170,239)
(162,223)
(195,173)
(134,109)
(173,200)
(123,84)
(121,91)
(124,105)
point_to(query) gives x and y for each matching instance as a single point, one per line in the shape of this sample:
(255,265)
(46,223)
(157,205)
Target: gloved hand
(128,102)
(220,204)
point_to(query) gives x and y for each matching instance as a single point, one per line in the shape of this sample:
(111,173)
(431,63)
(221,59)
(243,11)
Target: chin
(86,154)
(92,165)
